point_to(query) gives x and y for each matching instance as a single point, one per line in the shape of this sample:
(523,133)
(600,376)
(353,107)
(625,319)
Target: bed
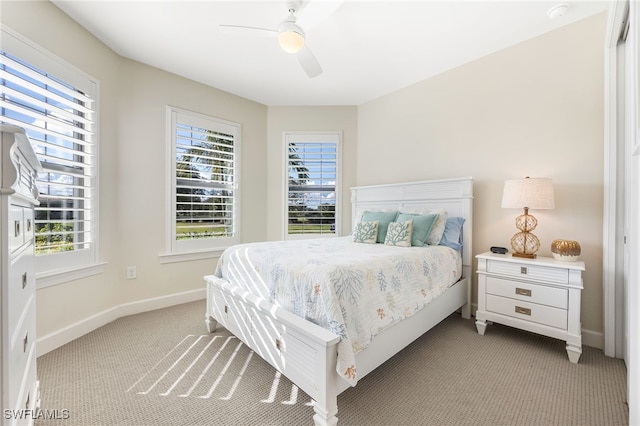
(314,353)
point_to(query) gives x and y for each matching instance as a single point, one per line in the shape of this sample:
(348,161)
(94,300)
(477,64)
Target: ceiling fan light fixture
(558,10)
(290,37)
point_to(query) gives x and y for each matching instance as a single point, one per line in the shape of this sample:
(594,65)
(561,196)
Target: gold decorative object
(565,250)
(534,193)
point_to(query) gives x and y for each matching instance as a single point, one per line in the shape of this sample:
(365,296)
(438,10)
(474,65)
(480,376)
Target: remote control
(499,250)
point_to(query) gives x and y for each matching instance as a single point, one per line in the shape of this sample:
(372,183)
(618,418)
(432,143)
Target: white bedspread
(354,290)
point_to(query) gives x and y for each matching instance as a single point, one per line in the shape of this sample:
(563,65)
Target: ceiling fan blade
(248,31)
(313,12)
(309,63)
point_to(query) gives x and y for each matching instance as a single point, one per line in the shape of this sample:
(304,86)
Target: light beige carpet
(163,368)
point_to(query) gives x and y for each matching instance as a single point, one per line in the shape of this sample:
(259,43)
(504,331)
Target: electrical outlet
(131,272)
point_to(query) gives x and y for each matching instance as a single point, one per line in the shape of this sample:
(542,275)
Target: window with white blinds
(205,193)
(59,118)
(313,176)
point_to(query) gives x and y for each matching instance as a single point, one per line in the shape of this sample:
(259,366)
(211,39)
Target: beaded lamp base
(524,243)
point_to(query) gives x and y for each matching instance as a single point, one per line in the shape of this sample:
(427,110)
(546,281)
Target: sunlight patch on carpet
(206,366)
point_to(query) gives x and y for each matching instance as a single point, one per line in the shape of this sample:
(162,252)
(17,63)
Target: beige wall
(534,109)
(62,305)
(141,173)
(132,145)
(281,119)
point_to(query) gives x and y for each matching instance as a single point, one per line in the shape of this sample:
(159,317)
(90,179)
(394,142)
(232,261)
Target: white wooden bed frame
(306,353)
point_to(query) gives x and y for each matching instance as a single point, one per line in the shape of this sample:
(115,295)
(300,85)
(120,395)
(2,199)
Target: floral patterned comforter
(354,290)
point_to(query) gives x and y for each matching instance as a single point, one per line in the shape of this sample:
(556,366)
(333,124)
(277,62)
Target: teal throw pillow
(383,218)
(422,224)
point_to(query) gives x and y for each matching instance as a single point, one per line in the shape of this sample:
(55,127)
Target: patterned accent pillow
(399,234)
(366,232)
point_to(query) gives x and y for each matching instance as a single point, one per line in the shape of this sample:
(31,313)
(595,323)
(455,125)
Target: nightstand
(540,295)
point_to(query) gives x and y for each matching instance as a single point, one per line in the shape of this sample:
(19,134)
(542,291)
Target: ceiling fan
(290,37)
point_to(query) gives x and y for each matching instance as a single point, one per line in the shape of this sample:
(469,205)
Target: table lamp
(527,193)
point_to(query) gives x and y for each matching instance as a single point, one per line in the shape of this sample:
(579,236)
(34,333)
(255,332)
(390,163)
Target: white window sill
(61,276)
(189,256)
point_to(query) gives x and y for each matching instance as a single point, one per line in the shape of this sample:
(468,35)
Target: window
(54,103)
(313,184)
(204,182)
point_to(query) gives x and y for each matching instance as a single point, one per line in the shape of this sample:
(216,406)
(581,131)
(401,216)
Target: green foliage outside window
(54,237)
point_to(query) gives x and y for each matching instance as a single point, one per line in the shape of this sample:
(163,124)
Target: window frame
(57,268)
(182,250)
(302,137)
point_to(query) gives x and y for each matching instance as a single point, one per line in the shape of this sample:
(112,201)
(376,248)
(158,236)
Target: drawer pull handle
(523,311)
(28,225)
(226,309)
(278,344)
(24,280)
(25,342)
(523,291)
(17,228)
(523,270)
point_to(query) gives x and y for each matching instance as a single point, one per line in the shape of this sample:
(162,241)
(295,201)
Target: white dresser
(18,194)
(540,295)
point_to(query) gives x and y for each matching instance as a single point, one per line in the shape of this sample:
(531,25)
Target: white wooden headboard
(454,195)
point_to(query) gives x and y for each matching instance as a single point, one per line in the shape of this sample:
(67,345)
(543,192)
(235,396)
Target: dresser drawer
(19,389)
(15,226)
(527,292)
(21,355)
(527,311)
(21,286)
(27,219)
(527,271)
(29,397)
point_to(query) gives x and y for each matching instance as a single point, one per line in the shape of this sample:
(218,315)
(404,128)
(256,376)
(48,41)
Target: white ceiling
(367,48)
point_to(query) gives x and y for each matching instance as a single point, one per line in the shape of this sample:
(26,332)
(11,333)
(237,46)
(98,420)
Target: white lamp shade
(532,193)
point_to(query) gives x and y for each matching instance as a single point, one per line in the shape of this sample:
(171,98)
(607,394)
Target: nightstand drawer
(529,271)
(532,293)
(526,311)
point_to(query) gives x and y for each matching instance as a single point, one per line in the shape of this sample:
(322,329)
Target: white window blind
(59,119)
(205,187)
(312,184)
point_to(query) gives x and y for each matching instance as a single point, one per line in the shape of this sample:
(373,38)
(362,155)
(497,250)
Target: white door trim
(613,214)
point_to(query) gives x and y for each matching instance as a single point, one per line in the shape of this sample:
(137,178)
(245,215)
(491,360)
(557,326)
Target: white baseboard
(65,335)
(71,332)
(595,339)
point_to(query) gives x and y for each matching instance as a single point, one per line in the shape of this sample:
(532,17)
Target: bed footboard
(277,335)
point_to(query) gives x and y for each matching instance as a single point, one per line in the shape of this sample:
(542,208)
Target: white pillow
(435,235)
